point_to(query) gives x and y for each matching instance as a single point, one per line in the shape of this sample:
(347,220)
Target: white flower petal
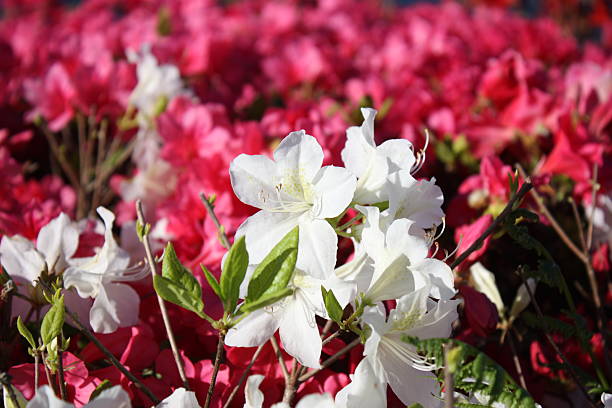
(419,201)
(316,401)
(58,241)
(254,398)
(301,153)
(20,259)
(114,397)
(180,398)
(254,180)
(264,230)
(299,332)
(483,281)
(45,398)
(398,153)
(366,389)
(335,186)
(317,248)
(440,275)
(116,305)
(255,329)
(411,385)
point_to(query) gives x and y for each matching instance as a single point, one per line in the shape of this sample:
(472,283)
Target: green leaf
(173,293)
(25,332)
(142,230)
(334,310)
(177,284)
(53,321)
(234,270)
(276,270)
(266,300)
(212,281)
(104,385)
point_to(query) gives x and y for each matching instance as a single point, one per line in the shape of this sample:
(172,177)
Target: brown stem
(50,381)
(509,207)
(60,369)
(162,305)
(292,384)
(213,378)
(331,337)
(553,222)
(111,357)
(517,362)
(211,213)
(595,188)
(243,377)
(550,341)
(279,356)
(330,360)
(36,362)
(449,388)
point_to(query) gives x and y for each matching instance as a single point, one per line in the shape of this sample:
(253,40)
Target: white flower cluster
(99,277)
(391,260)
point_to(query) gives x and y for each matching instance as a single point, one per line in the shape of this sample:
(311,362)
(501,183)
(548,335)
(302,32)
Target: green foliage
(212,281)
(266,300)
(274,273)
(142,230)
(234,270)
(178,285)
(53,321)
(25,332)
(475,372)
(334,310)
(104,385)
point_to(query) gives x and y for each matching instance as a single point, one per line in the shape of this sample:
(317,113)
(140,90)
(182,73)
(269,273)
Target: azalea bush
(310,204)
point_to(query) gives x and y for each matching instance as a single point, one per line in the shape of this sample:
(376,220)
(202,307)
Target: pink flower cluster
(511,89)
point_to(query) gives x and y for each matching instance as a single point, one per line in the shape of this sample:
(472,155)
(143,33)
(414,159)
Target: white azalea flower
(366,389)
(293,189)
(254,398)
(155,82)
(116,304)
(372,164)
(400,260)
(56,243)
(419,201)
(294,317)
(606,400)
(396,361)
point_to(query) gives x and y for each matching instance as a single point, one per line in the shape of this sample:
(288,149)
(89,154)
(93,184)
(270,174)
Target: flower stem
(244,375)
(211,213)
(213,378)
(111,357)
(509,207)
(162,305)
(60,369)
(330,360)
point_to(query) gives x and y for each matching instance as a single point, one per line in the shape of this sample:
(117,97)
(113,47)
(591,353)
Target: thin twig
(162,305)
(50,381)
(553,344)
(517,362)
(36,363)
(211,213)
(60,370)
(331,337)
(509,207)
(279,356)
(292,384)
(213,378)
(330,360)
(111,357)
(449,388)
(553,222)
(578,223)
(244,375)
(61,159)
(595,188)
